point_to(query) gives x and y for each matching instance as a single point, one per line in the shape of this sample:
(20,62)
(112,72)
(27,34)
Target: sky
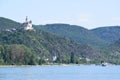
(87,13)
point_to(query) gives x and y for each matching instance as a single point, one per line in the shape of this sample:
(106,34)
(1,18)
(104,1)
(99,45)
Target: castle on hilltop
(27,25)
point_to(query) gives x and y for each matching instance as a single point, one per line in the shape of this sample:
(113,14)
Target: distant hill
(109,33)
(76,33)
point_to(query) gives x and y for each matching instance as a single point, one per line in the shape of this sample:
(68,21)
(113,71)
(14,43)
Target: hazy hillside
(39,45)
(76,33)
(112,53)
(46,45)
(109,34)
(8,24)
(68,43)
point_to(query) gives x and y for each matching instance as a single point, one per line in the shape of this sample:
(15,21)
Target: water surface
(74,72)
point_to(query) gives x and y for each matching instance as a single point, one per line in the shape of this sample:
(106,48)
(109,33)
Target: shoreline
(47,65)
(55,65)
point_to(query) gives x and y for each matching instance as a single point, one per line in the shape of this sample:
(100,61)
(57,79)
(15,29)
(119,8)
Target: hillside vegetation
(109,34)
(8,24)
(73,32)
(37,47)
(57,43)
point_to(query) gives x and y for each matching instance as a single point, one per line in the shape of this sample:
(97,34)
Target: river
(73,72)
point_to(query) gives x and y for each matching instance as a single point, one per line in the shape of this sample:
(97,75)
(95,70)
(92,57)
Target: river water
(73,72)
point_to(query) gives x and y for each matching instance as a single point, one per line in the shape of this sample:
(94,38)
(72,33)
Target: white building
(54,58)
(27,25)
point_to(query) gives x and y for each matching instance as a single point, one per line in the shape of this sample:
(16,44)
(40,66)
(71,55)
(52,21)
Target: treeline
(56,43)
(21,55)
(39,47)
(16,54)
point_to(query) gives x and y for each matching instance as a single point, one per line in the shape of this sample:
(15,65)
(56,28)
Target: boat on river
(103,63)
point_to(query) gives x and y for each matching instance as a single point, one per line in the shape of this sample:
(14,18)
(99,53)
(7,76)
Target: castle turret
(27,25)
(26,20)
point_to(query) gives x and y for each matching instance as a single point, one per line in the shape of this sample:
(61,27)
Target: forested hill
(59,43)
(76,33)
(112,53)
(6,23)
(37,46)
(108,33)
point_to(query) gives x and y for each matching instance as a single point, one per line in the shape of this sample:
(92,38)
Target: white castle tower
(27,25)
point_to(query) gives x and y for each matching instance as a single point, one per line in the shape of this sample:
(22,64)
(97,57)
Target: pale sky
(87,13)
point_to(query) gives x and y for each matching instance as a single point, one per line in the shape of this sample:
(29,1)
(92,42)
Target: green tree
(41,61)
(72,58)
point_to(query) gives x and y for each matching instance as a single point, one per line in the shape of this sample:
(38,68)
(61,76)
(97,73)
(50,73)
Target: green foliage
(33,47)
(15,54)
(8,24)
(76,33)
(41,61)
(73,58)
(109,34)
(19,47)
(100,38)
(66,60)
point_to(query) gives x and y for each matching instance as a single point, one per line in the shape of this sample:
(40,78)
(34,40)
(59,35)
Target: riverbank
(54,65)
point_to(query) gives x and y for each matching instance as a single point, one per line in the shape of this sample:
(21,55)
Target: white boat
(103,63)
